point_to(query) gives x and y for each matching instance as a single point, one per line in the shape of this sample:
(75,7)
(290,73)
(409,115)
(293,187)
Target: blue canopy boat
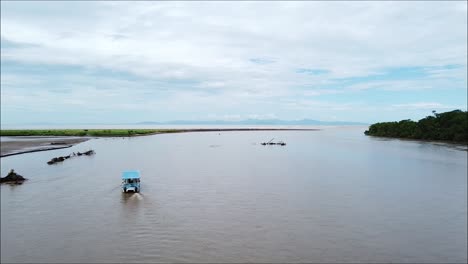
(131,181)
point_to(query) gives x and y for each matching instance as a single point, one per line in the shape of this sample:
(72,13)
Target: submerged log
(13,177)
(61,159)
(89,152)
(281,143)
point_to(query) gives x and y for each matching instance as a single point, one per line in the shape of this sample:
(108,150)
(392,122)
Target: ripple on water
(328,196)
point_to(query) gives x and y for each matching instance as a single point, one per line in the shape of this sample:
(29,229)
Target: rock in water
(13,177)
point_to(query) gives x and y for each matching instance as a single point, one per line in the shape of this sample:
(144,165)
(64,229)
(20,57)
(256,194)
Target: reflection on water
(327,196)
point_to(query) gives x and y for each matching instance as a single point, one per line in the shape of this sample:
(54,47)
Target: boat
(131,181)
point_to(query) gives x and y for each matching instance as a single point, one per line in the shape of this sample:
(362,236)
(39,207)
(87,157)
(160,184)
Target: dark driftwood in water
(62,158)
(13,177)
(281,143)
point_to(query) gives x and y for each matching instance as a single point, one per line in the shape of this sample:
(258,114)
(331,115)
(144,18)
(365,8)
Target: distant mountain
(253,122)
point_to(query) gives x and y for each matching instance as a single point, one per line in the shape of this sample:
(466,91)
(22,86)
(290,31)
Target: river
(333,195)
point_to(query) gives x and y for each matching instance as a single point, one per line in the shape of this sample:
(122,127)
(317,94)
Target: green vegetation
(86,132)
(448,126)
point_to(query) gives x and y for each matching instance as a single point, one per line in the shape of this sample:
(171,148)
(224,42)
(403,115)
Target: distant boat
(131,181)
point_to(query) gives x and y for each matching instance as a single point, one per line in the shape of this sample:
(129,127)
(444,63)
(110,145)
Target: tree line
(448,126)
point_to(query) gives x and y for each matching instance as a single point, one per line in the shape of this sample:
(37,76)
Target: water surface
(328,196)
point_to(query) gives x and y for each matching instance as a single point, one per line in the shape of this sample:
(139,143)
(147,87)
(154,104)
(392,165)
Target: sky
(124,62)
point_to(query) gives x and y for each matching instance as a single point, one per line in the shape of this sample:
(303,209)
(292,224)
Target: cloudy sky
(112,62)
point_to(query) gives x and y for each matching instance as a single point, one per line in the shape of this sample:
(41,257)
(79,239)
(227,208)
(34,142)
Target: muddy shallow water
(327,196)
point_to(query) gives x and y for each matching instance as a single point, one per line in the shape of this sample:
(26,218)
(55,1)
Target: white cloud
(346,38)
(427,106)
(212,44)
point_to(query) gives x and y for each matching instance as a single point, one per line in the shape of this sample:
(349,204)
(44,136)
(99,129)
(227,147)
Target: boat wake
(137,196)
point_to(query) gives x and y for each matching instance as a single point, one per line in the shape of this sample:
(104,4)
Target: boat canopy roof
(131,174)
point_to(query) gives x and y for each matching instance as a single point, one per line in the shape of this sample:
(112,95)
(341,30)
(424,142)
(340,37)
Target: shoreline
(32,151)
(453,144)
(423,140)
(36,143)
(125,132)
(190,130)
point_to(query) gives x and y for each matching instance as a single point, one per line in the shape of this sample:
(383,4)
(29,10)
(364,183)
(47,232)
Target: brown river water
(333,195)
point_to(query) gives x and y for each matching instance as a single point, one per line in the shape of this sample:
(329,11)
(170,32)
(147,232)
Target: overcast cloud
(130,62)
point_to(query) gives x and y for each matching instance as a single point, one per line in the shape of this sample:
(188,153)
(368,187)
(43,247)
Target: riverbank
(21,145)
(448,127)
(124,132)
(455,145)
(27,141)
(83,132)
